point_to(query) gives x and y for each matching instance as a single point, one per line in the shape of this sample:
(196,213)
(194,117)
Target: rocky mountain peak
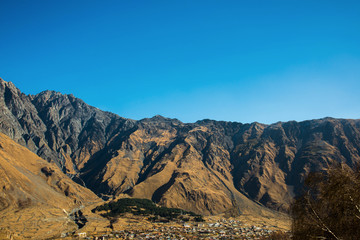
(9,86)
(2,82)
(50,94)
(159,118)
(208,166)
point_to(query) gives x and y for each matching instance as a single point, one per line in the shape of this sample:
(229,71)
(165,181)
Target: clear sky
(243,61)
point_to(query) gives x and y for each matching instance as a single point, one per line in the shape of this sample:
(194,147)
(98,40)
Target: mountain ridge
(208,167)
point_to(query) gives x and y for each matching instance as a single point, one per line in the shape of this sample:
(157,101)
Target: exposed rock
(47,171)
(59,128)
(208,167)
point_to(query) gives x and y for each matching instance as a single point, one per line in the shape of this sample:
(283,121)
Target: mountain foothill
(58,152)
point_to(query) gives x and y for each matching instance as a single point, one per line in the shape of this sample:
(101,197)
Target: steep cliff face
(74,130)
(19,117)
(174,164)
(57,127)
(208,167)
(177,164)
(271,165)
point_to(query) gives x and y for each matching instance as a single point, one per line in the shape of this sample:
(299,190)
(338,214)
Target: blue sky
(243,61)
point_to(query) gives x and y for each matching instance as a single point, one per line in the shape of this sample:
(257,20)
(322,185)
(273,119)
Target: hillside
(36,197)
(208,167)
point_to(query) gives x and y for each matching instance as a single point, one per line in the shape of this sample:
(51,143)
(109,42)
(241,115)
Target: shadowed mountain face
(59,128)
(208,167)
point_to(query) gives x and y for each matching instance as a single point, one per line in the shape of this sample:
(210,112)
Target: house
(82,235)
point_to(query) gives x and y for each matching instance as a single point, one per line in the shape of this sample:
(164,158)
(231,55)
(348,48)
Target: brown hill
(203,166)
(208,167)
(36,197)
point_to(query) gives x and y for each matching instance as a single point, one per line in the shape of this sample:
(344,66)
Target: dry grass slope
(35,196)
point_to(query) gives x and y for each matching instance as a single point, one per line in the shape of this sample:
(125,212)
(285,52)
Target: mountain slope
(59,128)
(209,167)
(202,166)
(35,195)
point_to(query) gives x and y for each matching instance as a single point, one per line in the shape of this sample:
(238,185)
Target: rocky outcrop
(271,165)
(198,166)
(57,127)
(208,167)
(74,130)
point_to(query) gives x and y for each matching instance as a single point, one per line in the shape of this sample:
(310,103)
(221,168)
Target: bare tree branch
(320,220)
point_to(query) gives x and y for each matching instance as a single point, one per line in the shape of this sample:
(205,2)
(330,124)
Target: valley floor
(213,228)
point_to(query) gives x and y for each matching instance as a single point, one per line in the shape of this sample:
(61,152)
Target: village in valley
(142,219)
(212,229)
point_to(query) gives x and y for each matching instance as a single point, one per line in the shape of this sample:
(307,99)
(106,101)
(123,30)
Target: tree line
(328,208)
(144,207)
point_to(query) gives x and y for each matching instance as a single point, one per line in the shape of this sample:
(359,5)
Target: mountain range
(209,167)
